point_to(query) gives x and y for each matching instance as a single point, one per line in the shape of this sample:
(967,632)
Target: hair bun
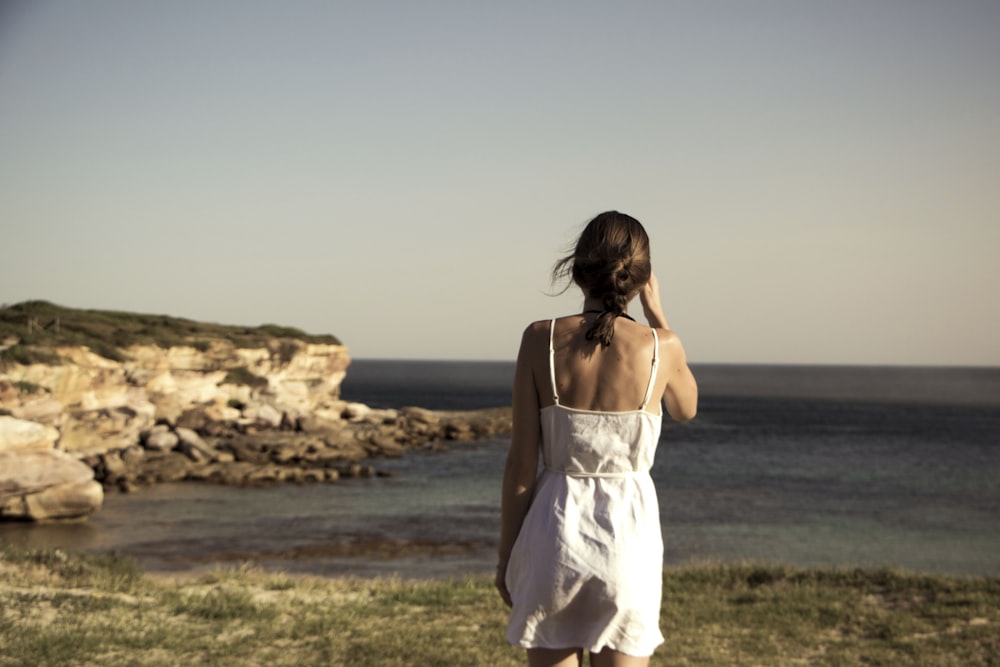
(610,262)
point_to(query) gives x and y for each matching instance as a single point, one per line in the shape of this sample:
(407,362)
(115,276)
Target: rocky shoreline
(301,453)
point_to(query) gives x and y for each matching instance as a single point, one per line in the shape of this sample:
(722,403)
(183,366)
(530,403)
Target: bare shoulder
(670,343)
(534,339)
(667,337)
(538,327)
(536,330)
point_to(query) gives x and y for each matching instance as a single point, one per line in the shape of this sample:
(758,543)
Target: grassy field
(64,609)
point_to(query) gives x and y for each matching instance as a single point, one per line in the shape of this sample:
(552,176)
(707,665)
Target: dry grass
(62,609)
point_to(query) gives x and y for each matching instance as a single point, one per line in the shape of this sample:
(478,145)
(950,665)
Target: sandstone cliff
(98,404)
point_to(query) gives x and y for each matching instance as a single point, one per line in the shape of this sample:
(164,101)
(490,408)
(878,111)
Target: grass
(40,326)
(64,609)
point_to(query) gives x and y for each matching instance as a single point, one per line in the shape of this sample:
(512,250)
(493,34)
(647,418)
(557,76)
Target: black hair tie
(611,312)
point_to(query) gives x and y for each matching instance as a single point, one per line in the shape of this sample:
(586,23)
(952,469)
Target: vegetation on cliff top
(39,326)
(58,608)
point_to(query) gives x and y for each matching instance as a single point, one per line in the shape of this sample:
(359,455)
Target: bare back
(589,377)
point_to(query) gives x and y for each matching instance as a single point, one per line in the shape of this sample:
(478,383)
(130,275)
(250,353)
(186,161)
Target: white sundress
(586,568)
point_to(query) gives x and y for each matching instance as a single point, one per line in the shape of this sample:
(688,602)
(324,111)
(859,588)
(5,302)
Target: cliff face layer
(98,404)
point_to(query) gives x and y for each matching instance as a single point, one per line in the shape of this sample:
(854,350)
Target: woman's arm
(681,394)
(521,469)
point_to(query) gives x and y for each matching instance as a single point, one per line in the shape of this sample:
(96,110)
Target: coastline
(809,482)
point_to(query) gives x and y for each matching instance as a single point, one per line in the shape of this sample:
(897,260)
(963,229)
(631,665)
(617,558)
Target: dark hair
(610,262)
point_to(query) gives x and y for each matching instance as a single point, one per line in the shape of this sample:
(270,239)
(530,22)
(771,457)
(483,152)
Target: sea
(812,466)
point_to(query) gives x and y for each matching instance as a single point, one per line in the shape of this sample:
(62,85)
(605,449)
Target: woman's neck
(594,304)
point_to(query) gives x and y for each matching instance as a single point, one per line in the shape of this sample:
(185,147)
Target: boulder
(355,411)
(193,446)
(132,456)
(42,408)
(164,467)
(386,445)
(263,413)
(45,486)
(97,431)
(160,439)
(19,435)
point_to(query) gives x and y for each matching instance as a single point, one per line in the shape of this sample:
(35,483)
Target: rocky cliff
(218,405)
(98,404)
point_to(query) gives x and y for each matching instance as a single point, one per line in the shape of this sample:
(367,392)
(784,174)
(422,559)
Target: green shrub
(287,350)
(29,388)
(242,375)
(26,355)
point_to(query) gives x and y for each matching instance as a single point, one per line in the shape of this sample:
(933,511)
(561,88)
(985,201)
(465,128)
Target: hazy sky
(820,179)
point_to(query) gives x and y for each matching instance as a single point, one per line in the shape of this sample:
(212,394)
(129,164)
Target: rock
(262,413)
(189,436)
(193,453)
(165,467)
(193,446)
(357,471)
(245,450)
(386,445)
(127,486)
(458,431)
(160,439)
(265,476)
(45,486)
(43,408)
(19,435)
(315,424)
(9,394)
(132,456)
(103,429)
(420,415)
(355,411)
(233,474)
(223,457)
(195,419)
(284,454)
(75,501)
(113,468)
(381,416)
(313,475)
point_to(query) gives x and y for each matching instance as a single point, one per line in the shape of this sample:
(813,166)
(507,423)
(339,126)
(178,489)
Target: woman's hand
(652,308)
(501,584)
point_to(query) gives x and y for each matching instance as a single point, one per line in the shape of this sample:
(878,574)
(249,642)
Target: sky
(819,179)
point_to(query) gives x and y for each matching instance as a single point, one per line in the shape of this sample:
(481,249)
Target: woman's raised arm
(681,394)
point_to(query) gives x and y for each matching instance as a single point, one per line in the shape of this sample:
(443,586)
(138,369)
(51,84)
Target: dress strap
(652,373)
(552,361)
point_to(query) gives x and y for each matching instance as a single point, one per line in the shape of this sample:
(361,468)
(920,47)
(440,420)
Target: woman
(581,556)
